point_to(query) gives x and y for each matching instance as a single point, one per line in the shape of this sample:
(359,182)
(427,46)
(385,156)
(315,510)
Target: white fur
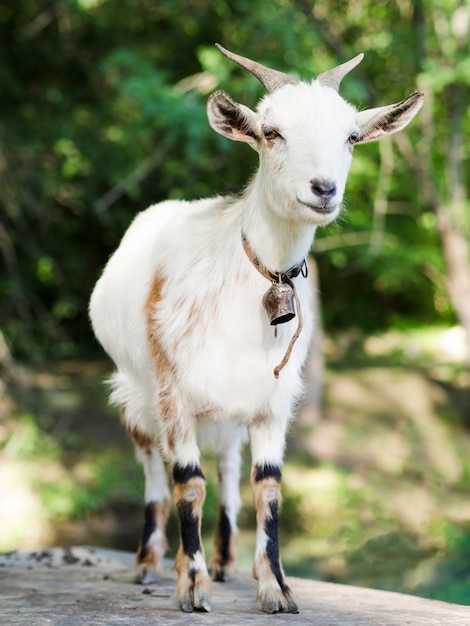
(211,322)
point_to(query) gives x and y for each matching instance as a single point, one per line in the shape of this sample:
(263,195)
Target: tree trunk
(449,206)
(456,255)
(452,221)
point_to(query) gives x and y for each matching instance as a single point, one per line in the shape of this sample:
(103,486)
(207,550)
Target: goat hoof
(146,576)
(189,604)
(278,607)
(280,602)
(186,605)
(200,599)
(194,592)
(270,607)
(150,578)
(219,575)
(293,608)
(204,607)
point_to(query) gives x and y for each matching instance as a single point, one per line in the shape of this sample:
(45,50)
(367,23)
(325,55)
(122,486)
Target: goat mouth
(324,208)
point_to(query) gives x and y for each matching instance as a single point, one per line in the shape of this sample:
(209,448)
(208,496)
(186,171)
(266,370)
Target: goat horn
(332,78)
(271,79)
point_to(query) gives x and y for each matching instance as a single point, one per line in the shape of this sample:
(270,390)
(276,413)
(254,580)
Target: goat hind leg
(194,585)
(152,546)
(223,560)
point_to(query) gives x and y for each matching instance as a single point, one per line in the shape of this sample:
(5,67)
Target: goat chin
(321,214)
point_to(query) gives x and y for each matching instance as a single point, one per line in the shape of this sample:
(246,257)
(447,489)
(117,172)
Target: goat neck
(279,242)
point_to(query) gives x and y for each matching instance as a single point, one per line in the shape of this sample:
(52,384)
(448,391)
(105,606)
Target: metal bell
(279,303)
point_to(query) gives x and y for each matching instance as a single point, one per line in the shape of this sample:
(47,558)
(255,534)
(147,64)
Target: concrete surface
(86,586)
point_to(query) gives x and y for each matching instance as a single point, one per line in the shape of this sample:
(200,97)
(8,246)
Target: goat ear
(231,119)
(377,123)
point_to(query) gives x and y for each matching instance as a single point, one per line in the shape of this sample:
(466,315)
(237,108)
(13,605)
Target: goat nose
(322,187)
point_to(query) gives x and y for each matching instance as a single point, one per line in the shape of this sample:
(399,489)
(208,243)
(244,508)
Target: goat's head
(305,133)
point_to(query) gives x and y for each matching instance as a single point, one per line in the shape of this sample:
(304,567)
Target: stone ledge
(91,586)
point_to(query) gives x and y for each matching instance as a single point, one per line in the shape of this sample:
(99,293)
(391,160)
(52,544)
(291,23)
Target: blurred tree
(427,179)
(443,50)
(103,112)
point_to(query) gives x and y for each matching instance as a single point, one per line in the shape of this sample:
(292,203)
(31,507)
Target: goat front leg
(267,446)
(194,585)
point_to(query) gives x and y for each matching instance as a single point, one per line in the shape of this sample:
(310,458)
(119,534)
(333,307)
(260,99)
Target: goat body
(179,310)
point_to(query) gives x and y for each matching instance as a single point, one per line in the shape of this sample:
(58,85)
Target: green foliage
(103,113)
(450,581)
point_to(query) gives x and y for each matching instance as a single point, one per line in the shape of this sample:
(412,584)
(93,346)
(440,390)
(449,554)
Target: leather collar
(281,277)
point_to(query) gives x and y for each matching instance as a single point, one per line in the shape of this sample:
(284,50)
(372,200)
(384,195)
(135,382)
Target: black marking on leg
(225,532)
(181,474)
(192,574)
(150,526)
(272,544)
(189,528)
(267,471)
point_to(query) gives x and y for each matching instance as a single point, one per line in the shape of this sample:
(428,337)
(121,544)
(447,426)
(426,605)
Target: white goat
(179,309)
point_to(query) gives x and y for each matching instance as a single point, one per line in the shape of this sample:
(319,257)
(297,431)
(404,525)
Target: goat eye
(353,138)
(271,134)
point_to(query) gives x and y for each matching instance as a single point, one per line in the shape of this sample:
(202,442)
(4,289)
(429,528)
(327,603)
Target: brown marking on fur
(167,402)
(171,439)
(161,352)
(161,511)
(194,491)
(159,356)
(194,316)
(264,492)
(139,438)
(165,369)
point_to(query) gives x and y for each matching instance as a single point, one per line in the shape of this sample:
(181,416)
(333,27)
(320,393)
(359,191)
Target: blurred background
(102,112)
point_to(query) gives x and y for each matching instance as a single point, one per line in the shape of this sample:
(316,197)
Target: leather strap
(292,272)
(281,277)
